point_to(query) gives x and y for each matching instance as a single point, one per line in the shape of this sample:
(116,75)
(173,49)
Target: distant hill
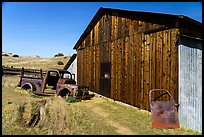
(34,62)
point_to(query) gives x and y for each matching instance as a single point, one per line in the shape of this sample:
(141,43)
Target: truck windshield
(66,75)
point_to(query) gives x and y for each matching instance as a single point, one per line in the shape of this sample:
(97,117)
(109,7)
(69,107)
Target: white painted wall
(73,68)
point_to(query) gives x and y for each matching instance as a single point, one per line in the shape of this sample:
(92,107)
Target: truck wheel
(64,92)
(28,87)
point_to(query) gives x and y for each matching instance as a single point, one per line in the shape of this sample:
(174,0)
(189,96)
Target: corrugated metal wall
(190,85)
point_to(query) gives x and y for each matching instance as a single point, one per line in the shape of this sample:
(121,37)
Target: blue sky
(48,28)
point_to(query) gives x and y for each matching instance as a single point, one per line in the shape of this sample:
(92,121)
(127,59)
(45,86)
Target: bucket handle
(153,90)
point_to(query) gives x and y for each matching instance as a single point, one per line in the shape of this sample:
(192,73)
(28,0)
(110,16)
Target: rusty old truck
(55,82)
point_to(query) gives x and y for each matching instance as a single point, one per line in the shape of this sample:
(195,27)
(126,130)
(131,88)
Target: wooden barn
(124,54)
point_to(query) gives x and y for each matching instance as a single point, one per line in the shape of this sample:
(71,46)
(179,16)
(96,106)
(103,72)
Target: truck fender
(63,92)
(30,86)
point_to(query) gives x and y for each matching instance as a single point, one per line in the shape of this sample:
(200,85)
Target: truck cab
(60,80)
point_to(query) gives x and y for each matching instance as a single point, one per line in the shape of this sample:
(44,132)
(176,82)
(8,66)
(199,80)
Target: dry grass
(34,62)
(98,116)
(57,117)
(139,120)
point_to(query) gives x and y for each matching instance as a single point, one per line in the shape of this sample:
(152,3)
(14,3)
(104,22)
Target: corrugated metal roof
(110,11)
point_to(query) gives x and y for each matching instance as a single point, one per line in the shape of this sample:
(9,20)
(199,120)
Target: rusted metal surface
(33,83)
(70,87)
(60,80)
(164,112)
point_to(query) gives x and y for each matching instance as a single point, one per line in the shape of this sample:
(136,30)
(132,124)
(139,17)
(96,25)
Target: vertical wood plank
(85,65)
(126,63)
(175,65)
(153,62)
(97,68)
(165,69)
(112,71)
(157,64)
(150,65)
(123,26)
(135,84)
(168,60)
(97,58)
(94,59)
(160,61)
(138,69)
(142,73)
(116,58)
(123,70)
(113,28)
(147,71)
(172,63)
(120,28)
(109,28)
(128,92)
(131,62)
(120,68)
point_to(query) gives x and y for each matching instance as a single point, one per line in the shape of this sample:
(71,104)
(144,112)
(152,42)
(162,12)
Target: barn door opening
(105,79)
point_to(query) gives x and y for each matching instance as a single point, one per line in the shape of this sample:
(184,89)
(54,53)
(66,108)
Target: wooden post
(41,73)
(22,72)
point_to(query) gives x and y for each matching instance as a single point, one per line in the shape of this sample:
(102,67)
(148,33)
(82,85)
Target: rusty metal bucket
(163,113)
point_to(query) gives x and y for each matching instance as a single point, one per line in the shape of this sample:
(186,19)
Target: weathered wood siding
(139,61)
(190,84)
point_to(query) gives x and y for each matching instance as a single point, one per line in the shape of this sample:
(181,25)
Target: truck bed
(36,81)
(44,94)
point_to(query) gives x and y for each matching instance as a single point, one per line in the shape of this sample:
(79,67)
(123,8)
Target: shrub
(4,54)
(60,63)
(21,110)
(59,54)
(15,55)
(37,56)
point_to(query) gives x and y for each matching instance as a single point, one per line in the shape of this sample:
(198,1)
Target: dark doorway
(105,79)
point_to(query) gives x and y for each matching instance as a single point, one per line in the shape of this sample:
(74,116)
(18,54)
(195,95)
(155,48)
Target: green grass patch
(20,110)
(36,96)
(72,99)
(139,121)
(88,123)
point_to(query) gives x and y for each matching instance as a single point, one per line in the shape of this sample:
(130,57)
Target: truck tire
(29,87)
(64,92)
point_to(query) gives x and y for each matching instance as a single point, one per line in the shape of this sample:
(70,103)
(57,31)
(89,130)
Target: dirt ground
(90,104)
